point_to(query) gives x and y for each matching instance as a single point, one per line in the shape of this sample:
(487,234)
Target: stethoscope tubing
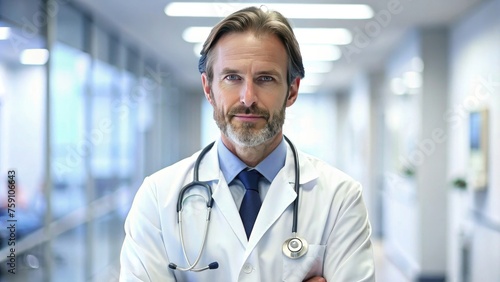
(210,201)
(196,181)
(296,185)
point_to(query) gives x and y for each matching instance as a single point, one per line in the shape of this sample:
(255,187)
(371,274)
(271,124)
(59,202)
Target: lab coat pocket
(310,265)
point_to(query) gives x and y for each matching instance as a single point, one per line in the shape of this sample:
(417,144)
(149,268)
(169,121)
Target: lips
(251,114)
(248,118)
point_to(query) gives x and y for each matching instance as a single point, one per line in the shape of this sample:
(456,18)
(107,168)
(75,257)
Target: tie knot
(250,179)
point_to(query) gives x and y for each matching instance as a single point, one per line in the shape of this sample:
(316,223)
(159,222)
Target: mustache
(254,110)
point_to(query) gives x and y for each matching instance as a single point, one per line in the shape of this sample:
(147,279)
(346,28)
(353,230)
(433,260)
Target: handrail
(486,221)
(94,210)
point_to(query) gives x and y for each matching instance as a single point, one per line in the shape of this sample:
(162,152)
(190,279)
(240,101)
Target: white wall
(432,185)
(475,84)
(415,149)
(354,135)
(402,125)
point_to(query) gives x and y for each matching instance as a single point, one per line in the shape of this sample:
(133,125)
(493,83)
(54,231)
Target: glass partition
(22,146)
(102,106)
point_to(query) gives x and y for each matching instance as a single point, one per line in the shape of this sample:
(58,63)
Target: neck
(252,156)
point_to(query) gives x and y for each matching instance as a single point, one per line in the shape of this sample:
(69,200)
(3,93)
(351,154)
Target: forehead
(244,49)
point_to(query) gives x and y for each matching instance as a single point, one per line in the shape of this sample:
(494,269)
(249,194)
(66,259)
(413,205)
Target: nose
(248,95)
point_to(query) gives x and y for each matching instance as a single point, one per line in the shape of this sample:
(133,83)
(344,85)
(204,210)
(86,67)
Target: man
(250,70)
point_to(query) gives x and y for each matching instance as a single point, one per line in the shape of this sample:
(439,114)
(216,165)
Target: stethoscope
(294,247)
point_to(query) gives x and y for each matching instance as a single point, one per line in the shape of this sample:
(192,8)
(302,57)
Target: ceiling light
(307,89)
(398,86)
(310,52)
(317,52)
(297,11)
(196,34)
(312,80)
(4,32)
(34,56)
(317,66)
(337,36)
(412,79)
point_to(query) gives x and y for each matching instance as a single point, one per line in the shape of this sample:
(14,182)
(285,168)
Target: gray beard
(244,136)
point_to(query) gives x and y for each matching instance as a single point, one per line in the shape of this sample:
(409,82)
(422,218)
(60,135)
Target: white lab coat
(332,218)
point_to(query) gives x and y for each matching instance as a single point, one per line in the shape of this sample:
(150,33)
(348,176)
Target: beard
(246,134)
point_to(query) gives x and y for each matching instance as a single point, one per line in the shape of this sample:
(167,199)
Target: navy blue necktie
(251,203)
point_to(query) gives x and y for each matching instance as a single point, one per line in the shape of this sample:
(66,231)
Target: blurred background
(402,95)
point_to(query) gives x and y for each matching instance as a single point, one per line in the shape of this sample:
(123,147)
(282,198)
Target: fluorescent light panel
(34,56)
(315,52)
(336,36)
(413,79)
(310,53)
(4,32)
(196,34)
(296,11)
(307,89)
(317,66)
(312,80)
(398,86)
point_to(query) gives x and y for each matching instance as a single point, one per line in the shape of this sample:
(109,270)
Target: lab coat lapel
(225,202)
(280,196)
(278,199)
(223,198)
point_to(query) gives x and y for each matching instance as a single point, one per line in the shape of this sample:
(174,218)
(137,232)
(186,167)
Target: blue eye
(232,77)
(266,78)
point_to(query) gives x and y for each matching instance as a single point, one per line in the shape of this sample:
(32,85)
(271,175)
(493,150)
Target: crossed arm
(316,279)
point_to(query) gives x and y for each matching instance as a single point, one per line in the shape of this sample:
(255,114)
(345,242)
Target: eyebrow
(228,70)
(266,72)
(270,72)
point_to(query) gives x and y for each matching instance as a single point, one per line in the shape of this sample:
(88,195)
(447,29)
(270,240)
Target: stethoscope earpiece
(295,247)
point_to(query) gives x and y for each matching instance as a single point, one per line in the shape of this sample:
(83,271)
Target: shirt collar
(231,165)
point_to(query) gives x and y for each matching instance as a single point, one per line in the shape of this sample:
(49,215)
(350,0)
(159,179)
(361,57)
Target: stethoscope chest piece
(295,247)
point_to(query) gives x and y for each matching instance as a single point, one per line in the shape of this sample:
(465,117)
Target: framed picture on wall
(478,142)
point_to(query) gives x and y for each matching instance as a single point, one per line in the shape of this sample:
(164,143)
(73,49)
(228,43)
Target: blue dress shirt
(231,165)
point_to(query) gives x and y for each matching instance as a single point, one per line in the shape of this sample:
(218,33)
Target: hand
(316,279)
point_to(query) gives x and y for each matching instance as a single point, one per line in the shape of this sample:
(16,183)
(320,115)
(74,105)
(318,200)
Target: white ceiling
(145,24)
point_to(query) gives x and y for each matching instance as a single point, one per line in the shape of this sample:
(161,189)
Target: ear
(206,87)
(293,92)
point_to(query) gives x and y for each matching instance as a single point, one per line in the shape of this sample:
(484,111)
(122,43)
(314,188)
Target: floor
(385,271)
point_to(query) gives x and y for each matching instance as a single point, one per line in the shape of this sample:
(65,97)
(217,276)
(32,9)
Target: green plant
(459,183)
(408,171)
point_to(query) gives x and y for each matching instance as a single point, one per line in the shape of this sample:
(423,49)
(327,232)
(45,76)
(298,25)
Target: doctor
(251,68)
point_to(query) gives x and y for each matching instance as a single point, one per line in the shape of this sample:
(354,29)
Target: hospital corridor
(96,96)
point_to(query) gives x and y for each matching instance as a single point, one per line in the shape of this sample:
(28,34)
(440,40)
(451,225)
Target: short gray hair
(260,22)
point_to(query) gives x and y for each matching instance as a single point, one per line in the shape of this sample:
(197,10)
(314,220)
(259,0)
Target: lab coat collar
(211,171)
(280,196)
(308,172)
(210,165)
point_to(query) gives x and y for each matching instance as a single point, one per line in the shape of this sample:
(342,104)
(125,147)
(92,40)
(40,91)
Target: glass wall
(80,128)
(22,131)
